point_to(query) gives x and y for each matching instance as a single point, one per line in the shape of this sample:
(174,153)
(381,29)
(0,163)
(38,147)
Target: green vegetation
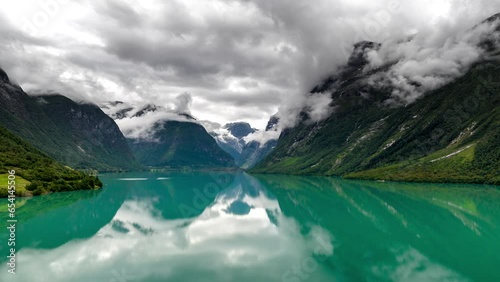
(21,184)
(180,145)
(366,139)
(36,173)
(437,167)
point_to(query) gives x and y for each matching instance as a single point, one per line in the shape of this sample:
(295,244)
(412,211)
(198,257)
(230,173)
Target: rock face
(3,77)
(254,152)
(446,135)
(272,123)
(78,135)
(174,140)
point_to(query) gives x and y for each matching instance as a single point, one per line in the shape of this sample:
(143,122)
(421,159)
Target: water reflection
(235,227)
(398,231)
(161,232)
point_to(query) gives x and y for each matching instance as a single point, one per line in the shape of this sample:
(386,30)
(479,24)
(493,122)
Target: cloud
(138,244)
(428,61)
(318,106)
(262,137)
(239,59)
(144,127)
(325,31)
(211,126)
(183,103)
(144,120)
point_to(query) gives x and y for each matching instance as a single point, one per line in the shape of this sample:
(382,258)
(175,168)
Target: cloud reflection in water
(241,236)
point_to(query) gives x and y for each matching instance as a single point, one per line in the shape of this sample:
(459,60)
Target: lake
(237,227)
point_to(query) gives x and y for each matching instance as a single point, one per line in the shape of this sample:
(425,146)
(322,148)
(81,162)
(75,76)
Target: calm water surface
(236,227)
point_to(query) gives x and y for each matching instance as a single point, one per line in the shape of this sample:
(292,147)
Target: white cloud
(262,137)
(211,126)
(318,106)
(426,61)
(183,103)
(141,121)
(143,127)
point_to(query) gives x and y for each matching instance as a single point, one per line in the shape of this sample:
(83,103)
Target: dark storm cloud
(211,49)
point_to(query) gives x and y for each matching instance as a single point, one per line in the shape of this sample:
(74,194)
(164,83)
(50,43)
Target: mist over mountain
(421,113)
(139,121)
(164,137)
(408,67)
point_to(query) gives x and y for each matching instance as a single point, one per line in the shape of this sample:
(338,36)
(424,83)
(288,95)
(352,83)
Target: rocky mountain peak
(272,123)
(146,109)
(358,57)
(352,70)
(239,129)
(4,78)
(188,116)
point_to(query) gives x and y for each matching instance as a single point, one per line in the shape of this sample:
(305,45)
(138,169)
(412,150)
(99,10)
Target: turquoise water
(236,227)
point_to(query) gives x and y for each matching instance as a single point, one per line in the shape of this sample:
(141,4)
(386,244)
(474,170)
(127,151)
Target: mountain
(164,138)
(35,172)
(75,134)
(230,138)
(234,139)
(451,134)
(239,129)
(96,135)
(489,43)
(255,151)
(180,144)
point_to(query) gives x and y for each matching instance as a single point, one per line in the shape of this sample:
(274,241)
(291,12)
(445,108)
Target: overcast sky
(240,60)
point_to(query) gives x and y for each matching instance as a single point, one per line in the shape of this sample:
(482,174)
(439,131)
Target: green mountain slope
(78,135)
(45,174)
(180,144)
(448,135)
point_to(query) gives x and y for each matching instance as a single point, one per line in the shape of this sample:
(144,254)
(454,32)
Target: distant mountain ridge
(180,144)
(245,153)
(171,139)
(240,129)
(231,138)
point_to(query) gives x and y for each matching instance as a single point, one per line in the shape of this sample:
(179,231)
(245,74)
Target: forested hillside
(36,173)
